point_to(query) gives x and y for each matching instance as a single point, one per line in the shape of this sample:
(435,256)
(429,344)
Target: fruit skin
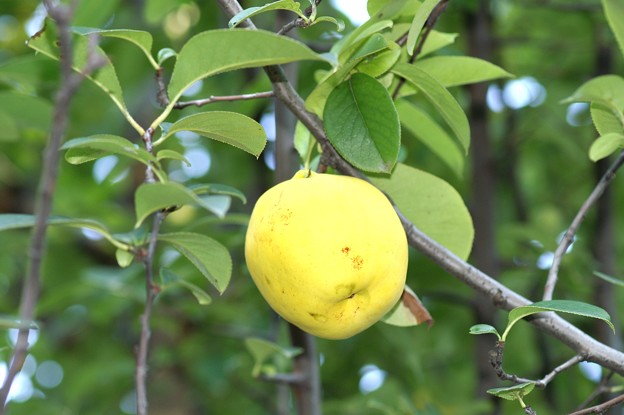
(328,253)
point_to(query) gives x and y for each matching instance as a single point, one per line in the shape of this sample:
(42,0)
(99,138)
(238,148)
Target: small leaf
(460,70)
(409,311)
(124,257)
(425,129)
(381,63)
(420,18)
(440,98)
(210,257)
(262,350)
(513,393)
(85,149)
(217,51)
(250,12)
(605,146)
(614,11)
(605,120)
(607,90)
(484,329)
(231,128)
(165,54)
(139,38)
(218,189)
(152,197)
(339,23)
(169,278)
(431,204)
(172,155)
(344,49)
(362,124)
(562,306)
(608,278)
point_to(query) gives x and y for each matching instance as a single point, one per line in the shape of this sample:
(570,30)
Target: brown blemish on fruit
(285,216)
(346,250)
(318,317)
(358,262)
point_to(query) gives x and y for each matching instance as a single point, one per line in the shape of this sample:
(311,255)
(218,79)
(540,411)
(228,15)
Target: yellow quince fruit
(328,253)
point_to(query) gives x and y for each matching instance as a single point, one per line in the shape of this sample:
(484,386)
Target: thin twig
(600,389)
(47,183)
(224,98)
(298,22)
(429,24)
(151,290)
(502,297)
(568,237)
(602,408)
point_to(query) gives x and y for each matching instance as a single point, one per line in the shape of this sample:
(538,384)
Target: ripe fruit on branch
(327,252)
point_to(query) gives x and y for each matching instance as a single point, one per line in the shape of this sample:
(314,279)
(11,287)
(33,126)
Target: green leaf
(262,350)
(25,112)
(373,45)
(218,189)
(169,278)
(139,38)
(172,155)
(440,98)
(460,70)
(248,13)
(124,257)
(562,306)
(105,77)
(513,393)
(425,129)
(210,257)
(606,145)
(382,62)
(84,149)
(152,197)
(165,54)
(362,124)
(409,311)
(614,11)
(339,23)
(436,41)
(607,90)
(346,47)
(316,101)
(231,128)
(420,18)
(484,329)
(431,204)
(217,51)
(9,221)
(605,120)
(608,278)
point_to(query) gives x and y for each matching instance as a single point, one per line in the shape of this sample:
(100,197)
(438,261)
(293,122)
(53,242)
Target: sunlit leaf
(460,70)
(607,90)
(250,12)
(614,10)
(431,204)
(418,22)
(139,38)
(362,124)
(605,120)
(231,128)
(210,257)
(606,145)
(440,98)
(218,189)
(513,393)
(124,257)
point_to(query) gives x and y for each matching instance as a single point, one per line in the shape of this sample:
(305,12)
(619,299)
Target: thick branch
(501,296)
(568,237)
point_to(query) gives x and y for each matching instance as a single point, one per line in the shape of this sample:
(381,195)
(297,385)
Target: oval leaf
(422,14)
(460,70)
(440,98)
(561,306)
(483,329)
(409,311)
(605,120)
(84,149)
(231,128)
(605,146)
(210,257)
(512,393)
(362,124)
(431,204)
(139,38)
(607,90)
(248,13)
(217,51)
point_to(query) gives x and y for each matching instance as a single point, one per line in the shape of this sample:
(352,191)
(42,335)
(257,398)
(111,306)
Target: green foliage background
(198,361)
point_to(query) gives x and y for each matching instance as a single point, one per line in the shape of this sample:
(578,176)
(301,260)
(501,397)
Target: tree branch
(602,408)
(224,98)
(70,81)
(568,237)
(502,297)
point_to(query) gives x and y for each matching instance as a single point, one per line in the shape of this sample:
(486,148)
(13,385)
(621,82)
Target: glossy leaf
(484,329)
(512,393)
(84,149)
(262,350)
(605,120)
(606,145)
(218,189)
(607,90)
(362,124)
(139,38)
(339,23)
(614,10)
(440,98)
(409,311)
(381,63)
(562,306)
(172,155)
(431,204)
(345,47)
(250,12)
(169,278)
(425,129)
(316,101)
(216,51)
(124,258)
(375,44)
(231,128)
(418,22)
(436,41)
(460,70)
(165,54)
(210,257)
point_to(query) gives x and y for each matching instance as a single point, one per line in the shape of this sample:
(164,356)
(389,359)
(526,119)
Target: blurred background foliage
(83,359)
